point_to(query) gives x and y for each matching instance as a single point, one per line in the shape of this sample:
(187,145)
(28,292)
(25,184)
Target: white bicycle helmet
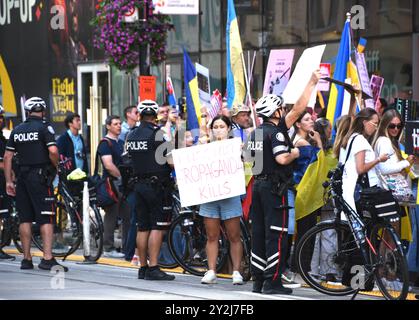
(35,104)
(148,107)
(267,105)
(2,112)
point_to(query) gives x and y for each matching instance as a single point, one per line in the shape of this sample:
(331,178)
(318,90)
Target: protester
(227,210)
(163,115)
(153,189)
(381,106)
(273,154)
(110,152)
(71,143)
(131,120)
(361,158)
(240,121)
(343,125)
(386,141)
(37,153)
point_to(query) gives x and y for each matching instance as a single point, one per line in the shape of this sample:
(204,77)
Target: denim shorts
(222,209)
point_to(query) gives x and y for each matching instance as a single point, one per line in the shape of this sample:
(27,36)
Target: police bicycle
(345,256)
(187,243)
(68,228)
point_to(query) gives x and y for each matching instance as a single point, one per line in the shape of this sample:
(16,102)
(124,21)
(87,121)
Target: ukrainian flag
(310,191)
(236,89)
(193,105)
(337,93)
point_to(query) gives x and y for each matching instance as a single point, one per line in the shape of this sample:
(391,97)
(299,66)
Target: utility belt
(164,180)
(46,172)
(280,183)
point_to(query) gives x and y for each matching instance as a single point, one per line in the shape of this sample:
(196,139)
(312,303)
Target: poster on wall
(40,55)
(278,71)
(189,7)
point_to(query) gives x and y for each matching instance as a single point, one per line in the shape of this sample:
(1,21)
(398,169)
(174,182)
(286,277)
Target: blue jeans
(413,252)
(291,215)
(131,240)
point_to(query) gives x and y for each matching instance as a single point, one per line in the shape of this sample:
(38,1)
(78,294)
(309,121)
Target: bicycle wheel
(245,238)
(322,255)
(389,262)
(96,233)
(5,235)
(187,242)
(67,233)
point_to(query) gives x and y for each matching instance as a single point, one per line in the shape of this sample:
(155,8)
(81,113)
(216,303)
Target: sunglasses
(394,126)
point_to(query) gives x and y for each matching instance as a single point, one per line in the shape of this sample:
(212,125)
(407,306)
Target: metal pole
(86,222)
(249,97)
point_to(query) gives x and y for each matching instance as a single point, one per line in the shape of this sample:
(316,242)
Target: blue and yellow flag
(310,191)
(337,93)
(193,105)
(236,89)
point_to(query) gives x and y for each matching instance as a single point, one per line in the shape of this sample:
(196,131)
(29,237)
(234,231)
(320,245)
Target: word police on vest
(137,146)
(28,136)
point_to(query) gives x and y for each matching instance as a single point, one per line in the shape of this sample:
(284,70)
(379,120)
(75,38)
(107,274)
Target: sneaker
(154,273)
(113,254)
(209,278)
(49,264)
(257,286)
(141,272)
(5,256)
(237,278)
(135,261)
(270,287)
(26,264)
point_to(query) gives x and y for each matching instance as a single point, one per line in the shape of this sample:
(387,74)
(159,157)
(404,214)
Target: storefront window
(213,62)
(391,58)
(387,17)
(285,22)
(416,16)
(327,18)
(185,34)
(211,25)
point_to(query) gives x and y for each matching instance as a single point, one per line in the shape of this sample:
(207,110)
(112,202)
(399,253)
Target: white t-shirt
(350,175)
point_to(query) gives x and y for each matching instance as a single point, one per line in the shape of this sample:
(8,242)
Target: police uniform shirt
(275,141)
(144,144)
(3,143)
(31,140)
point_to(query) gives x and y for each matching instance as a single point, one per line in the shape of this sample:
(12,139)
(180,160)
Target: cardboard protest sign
(147,88)
(204,88)
(209,172)
(376,86)
(364,78)
(309,62)
(278,71)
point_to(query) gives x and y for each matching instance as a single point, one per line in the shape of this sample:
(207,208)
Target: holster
(281,183)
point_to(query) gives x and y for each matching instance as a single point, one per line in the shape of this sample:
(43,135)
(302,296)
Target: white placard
(131,16)
(309,62)
(190,7)
(209,172)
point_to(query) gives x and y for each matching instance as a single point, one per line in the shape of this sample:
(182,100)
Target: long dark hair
(225,119)
(321,125)
(382,131)
(296,129)
(357,125)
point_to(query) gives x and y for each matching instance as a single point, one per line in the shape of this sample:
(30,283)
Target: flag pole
(249,97)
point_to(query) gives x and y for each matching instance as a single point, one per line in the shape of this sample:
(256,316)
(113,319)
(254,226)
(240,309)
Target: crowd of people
(290,138)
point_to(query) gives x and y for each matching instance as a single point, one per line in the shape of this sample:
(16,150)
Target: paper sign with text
(278,71)
(147,88)
(209,172)
(325,70)
(364,78)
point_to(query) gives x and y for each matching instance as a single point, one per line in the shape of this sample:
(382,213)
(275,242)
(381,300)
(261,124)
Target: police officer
(4,198)
(37,153)
(147,147)
(273,154)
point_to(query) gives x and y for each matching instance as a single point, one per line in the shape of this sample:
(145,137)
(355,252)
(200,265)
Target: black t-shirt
(148,150)
(31,140)
(264,144)
(111,147)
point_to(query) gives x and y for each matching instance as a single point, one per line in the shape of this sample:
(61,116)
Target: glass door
(93,104)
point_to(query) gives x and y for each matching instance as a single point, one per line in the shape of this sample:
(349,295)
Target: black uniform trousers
(269,214)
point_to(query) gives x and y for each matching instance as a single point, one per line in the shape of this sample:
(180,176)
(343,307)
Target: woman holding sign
(229,211)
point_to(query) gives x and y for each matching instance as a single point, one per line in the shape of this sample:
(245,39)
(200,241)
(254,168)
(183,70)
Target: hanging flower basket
(121,40)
